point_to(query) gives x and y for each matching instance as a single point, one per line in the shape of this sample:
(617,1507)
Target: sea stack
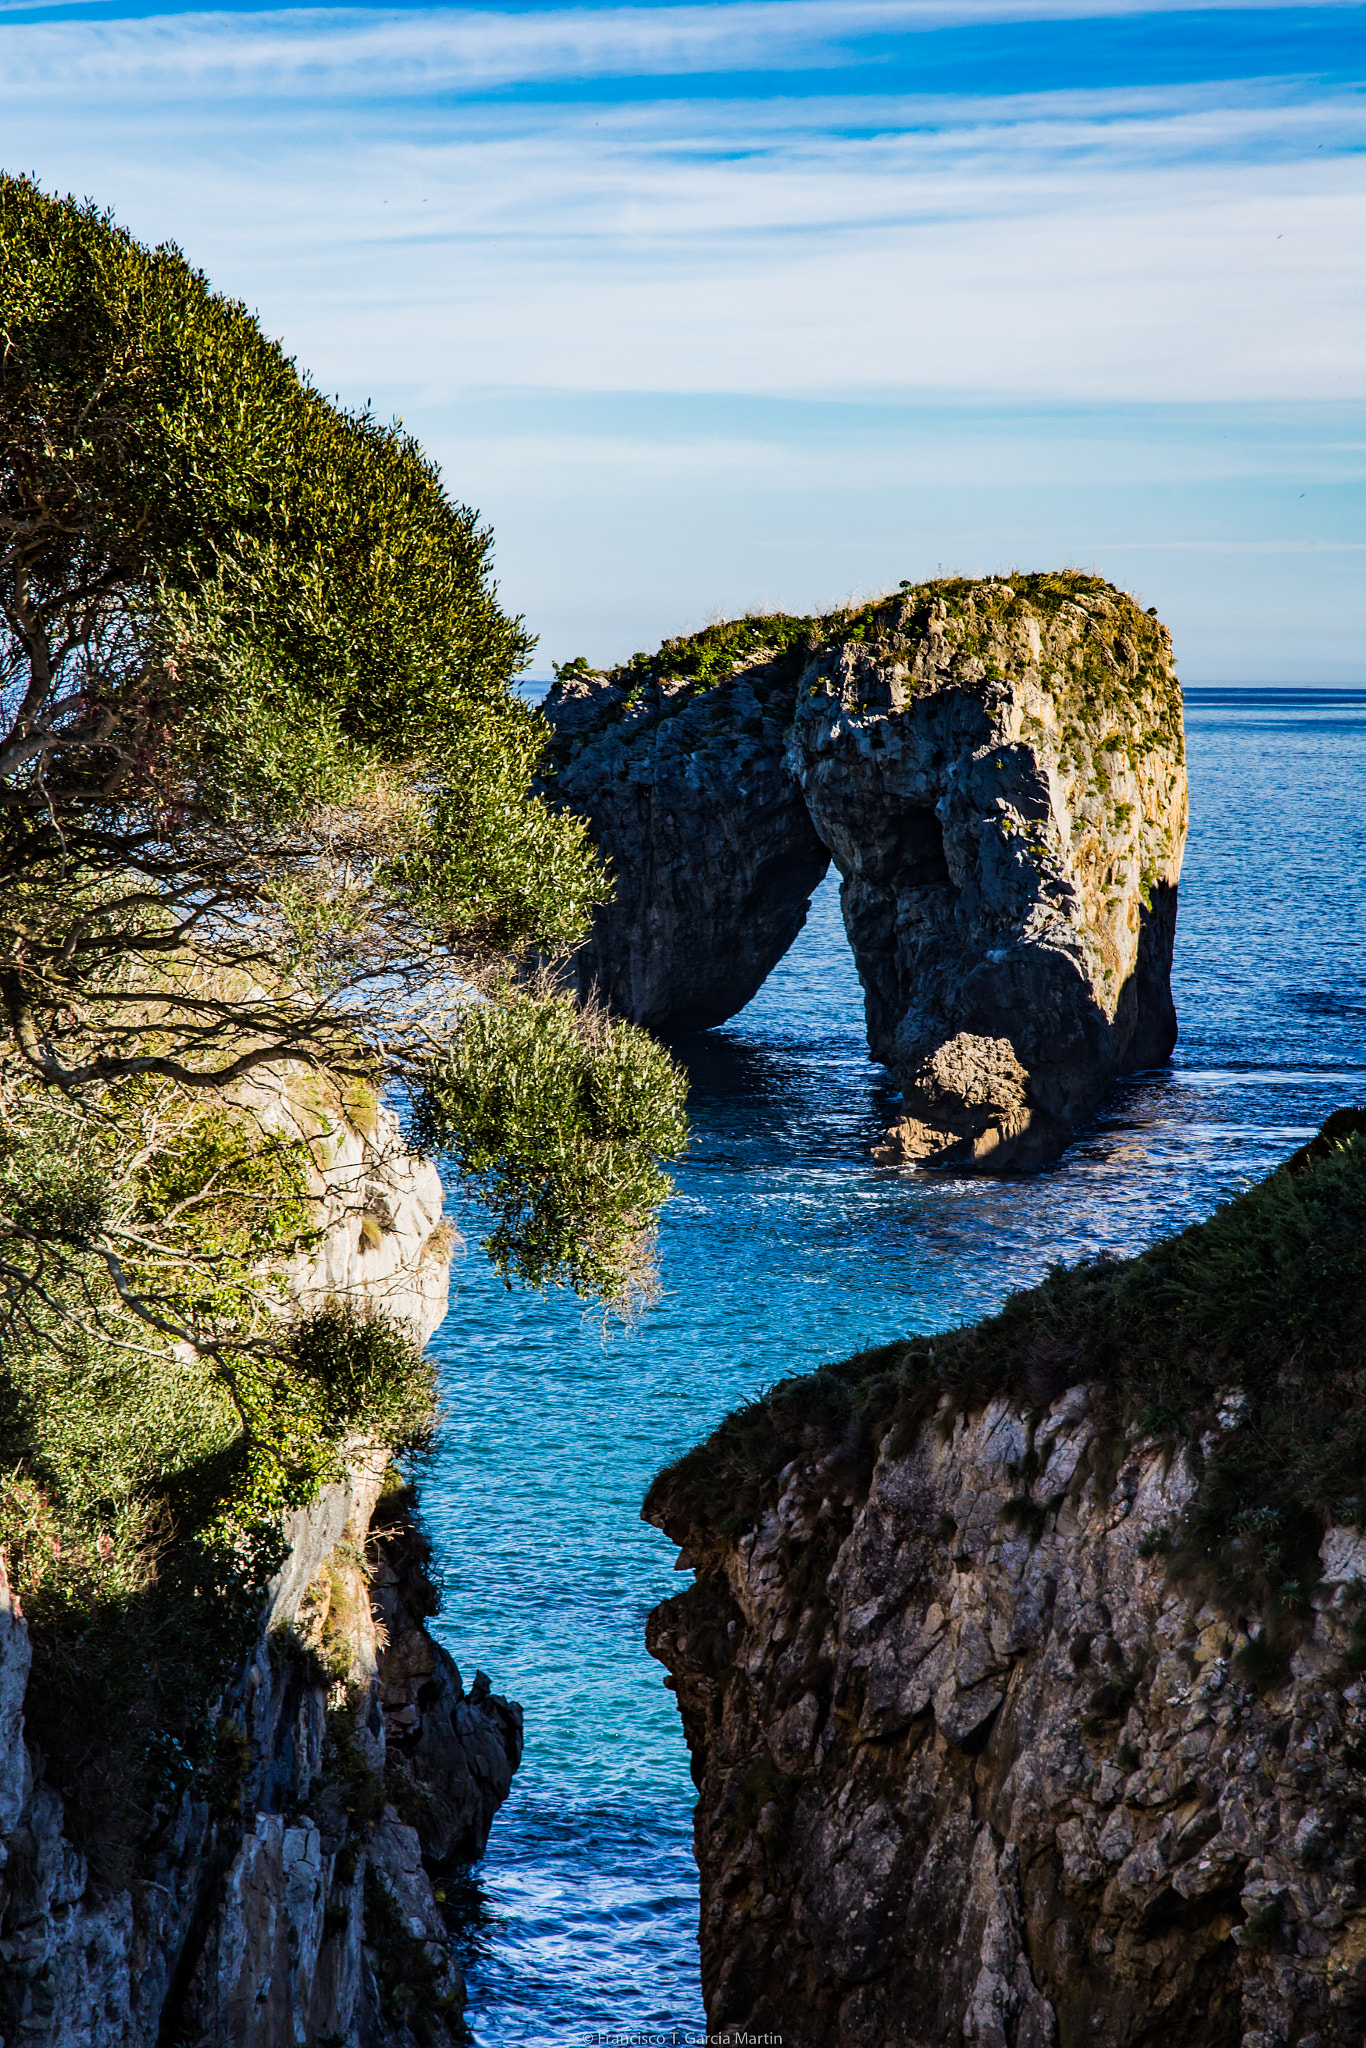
(688,794)
(997,769)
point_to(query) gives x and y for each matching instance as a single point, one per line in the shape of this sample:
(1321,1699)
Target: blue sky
(771,302)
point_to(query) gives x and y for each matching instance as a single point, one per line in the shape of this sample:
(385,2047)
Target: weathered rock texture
(1001,781)
(971,1771)
(289,1900)
(714,858)
(998,771)
(384,1244)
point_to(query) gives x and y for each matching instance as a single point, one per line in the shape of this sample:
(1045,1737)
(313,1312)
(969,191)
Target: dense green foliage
(559,1120)
(269,840)
(1251,1325)
(255,684)
(266,789)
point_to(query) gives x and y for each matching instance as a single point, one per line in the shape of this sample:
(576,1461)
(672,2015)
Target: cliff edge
(1023,1670)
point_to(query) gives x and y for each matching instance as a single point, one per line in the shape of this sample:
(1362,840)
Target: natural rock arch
(997,770)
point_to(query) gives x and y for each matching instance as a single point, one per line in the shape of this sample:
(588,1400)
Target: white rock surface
(248,1931)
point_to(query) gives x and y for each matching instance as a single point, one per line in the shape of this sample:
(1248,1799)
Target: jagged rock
(908,1837)
(998,772)
(458,1749)
(257,1927)
(1000,777)
(714,858)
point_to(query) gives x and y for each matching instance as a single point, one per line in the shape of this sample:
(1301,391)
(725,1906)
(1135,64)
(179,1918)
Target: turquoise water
(785,1247)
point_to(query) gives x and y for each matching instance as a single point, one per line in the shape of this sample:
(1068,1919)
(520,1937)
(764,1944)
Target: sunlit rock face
(998,771)
(258,1919)
(973,1770)
(690,799)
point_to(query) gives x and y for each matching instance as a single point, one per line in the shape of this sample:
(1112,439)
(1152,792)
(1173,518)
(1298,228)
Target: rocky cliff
(997,770)
(1022,1672)
(286,1888)
(710,846)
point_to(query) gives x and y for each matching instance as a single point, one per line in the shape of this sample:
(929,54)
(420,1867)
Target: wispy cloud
(422,237)
(1137,245)
(312,51)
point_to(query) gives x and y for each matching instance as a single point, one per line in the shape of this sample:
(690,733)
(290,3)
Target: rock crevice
(972,1769)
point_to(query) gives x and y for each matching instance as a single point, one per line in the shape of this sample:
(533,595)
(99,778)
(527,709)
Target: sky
(771,303)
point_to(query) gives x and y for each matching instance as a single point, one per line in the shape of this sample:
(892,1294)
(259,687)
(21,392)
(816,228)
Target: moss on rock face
(1121,676)
(1242,1340)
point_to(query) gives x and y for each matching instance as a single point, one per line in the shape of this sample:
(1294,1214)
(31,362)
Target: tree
(255,682)
(265,786)
(266,807)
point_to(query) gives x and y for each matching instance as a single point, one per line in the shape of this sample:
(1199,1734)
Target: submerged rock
(998,772)
(1015,1724)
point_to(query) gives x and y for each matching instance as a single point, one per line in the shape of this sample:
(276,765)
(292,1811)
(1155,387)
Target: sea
(785,1247)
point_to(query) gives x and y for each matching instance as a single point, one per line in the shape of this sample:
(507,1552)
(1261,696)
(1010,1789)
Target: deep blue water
(785,1247)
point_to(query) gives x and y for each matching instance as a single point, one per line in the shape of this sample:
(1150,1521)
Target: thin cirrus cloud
(425,49)
(625,222)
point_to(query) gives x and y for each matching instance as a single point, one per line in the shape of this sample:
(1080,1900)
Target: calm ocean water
(784,1248)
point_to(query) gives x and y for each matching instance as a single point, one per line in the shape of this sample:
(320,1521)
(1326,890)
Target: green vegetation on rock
(1241,1341)
(1118,684)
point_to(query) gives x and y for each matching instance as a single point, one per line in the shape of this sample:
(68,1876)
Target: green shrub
(557,1119)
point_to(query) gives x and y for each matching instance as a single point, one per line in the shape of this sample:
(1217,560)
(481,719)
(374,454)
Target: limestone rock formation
(919,1844)
(269,1914)
(714,857)
(975,1764)
(384,1245)
(458,1749)
(998,771)
(1000,777)
(286,1898)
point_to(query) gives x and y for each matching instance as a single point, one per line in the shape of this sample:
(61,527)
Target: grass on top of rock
(1250,1325)
(1123,658)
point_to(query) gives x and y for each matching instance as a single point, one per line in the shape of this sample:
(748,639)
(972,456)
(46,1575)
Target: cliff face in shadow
(1022,1673)
(712,851)
(287,1892)
(997,770)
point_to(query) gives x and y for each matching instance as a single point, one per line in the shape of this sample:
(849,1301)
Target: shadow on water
(789,1102)
(786,1246)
